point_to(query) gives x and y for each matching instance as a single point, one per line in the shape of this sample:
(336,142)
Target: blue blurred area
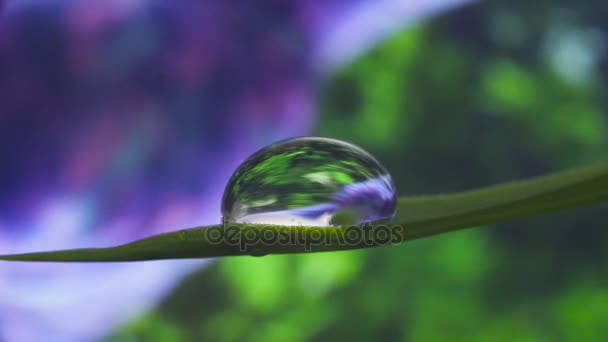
(127,104)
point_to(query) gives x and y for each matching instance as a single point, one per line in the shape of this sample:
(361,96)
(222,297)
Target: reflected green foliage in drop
(308,181)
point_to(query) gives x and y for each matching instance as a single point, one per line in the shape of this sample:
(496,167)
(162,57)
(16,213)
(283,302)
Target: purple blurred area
(120,119)
(136,107)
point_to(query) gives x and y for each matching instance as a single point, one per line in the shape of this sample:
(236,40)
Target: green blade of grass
(416,217)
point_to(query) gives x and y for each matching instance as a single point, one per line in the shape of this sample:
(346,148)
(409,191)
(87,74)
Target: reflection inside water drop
(307,181)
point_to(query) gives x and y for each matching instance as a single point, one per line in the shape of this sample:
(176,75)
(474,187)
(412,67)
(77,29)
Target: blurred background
(105,131)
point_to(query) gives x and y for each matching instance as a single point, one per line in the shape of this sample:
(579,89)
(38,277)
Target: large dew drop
(309,181)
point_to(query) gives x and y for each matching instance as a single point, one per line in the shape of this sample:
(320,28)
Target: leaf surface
(416,217)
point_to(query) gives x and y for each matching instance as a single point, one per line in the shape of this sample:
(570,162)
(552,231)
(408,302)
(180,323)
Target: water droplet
(308,181)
